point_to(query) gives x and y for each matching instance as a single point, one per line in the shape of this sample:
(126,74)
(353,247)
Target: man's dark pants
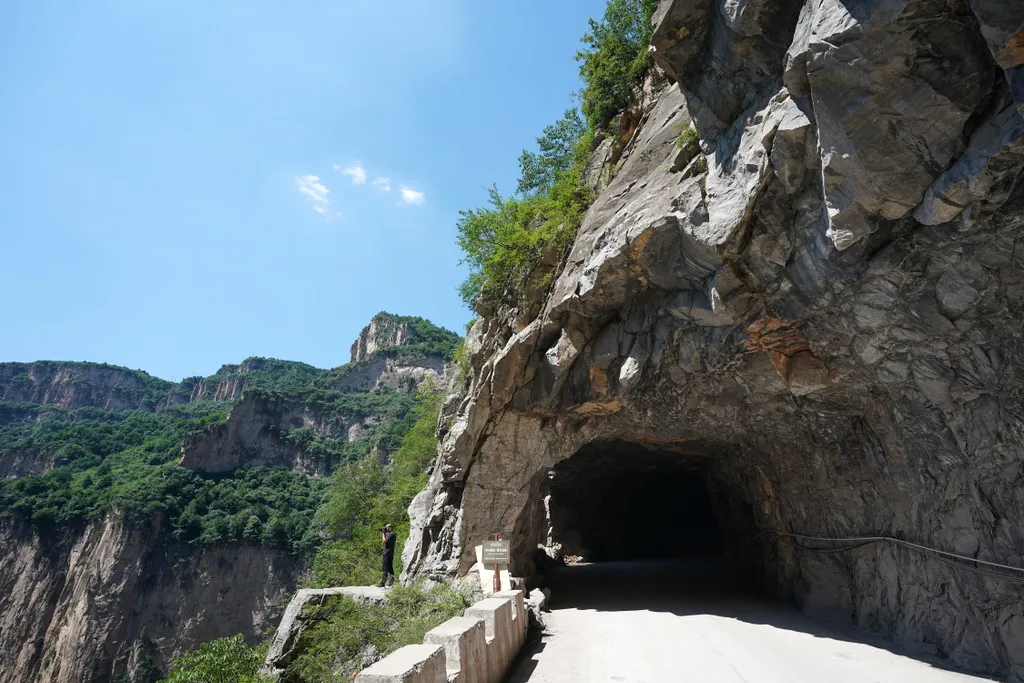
(388,567)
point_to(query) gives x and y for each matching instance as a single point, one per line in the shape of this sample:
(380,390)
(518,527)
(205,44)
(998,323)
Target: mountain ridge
(137,513)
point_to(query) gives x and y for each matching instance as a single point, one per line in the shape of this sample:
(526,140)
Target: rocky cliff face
(80,385)
(384,331)
(72,385)
(255,435)
(397,373)
(112,598)
(817,310)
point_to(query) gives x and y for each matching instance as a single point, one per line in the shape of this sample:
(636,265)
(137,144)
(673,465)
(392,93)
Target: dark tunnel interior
(621,501)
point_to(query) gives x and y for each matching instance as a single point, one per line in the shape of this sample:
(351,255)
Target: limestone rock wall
(384,370)
(111,599)
(822,307)
(79,385)
(255,431)
(254,436)
(383,331)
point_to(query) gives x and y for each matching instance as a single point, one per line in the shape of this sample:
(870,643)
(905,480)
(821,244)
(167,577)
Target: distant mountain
(141,517)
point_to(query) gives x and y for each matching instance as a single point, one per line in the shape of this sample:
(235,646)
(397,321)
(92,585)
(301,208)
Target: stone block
(496,614)
(410,664)
(465,648)
(520,619)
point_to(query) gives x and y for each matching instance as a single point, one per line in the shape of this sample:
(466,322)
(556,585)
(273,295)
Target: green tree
(499,243)
(225,660)
(539,171)
(615,57)
(515,244)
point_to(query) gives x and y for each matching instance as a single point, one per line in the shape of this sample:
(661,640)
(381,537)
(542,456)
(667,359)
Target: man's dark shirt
(389,543)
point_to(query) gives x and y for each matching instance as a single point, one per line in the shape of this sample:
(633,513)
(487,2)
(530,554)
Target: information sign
(496,552)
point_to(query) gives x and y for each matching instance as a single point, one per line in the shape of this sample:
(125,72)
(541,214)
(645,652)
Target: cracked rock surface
(827,319)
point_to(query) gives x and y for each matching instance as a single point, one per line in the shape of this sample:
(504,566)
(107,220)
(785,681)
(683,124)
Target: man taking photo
(388,539)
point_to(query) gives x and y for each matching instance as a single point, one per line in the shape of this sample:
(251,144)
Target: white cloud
(411,196)
(355,171)
(318,195)
(383,184)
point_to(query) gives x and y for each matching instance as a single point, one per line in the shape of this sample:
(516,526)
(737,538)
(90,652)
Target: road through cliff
(674,620)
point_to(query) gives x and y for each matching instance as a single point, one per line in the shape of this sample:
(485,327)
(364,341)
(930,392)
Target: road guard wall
(478,647)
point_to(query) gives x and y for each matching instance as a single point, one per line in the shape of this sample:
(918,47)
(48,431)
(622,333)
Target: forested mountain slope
(139,517)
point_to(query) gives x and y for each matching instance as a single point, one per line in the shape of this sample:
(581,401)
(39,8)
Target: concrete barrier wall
(478,647)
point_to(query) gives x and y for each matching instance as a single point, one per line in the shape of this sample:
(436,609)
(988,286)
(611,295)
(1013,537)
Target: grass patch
(345,631)
(688,141)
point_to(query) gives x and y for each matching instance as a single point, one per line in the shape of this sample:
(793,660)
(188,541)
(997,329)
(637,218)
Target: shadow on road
(694,586)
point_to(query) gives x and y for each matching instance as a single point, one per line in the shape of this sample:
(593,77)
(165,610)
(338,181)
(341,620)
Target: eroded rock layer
(819,309)
(114,599)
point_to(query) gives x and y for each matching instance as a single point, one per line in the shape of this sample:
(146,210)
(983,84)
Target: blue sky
(185,183)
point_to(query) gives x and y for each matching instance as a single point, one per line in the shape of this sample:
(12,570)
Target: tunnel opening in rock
(622,501)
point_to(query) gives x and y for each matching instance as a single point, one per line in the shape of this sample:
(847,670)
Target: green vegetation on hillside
(272,507)
(364,495)
(615,59)
(97,460)
(128,461)
(514,243)
(384,402)
(100,460)
(425,338)
(331,651)
(268,373)
(225,660)
(360,498)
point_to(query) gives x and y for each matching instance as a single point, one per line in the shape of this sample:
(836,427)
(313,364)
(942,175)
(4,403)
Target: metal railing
(990,569)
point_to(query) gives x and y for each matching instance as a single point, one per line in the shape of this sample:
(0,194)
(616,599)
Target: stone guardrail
(476,648)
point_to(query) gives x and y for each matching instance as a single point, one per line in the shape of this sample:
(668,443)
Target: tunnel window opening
(617,501)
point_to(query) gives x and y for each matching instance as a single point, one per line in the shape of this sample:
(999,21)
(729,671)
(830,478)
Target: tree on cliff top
(510,242)
(538,172)
(615,58)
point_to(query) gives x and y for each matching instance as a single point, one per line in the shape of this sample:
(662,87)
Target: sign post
(496,552)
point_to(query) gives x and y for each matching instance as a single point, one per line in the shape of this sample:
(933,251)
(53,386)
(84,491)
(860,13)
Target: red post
(497,575)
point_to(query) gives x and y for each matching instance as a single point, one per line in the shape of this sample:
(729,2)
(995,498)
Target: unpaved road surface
(656,622)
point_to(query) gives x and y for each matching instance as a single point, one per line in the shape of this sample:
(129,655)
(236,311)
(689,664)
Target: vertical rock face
(385,330)
(825,324)
(80,385)
(254,435)
(71,604)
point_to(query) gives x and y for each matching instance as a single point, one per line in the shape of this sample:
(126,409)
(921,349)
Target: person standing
(388,539)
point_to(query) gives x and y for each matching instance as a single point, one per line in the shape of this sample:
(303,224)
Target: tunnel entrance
(622,501)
